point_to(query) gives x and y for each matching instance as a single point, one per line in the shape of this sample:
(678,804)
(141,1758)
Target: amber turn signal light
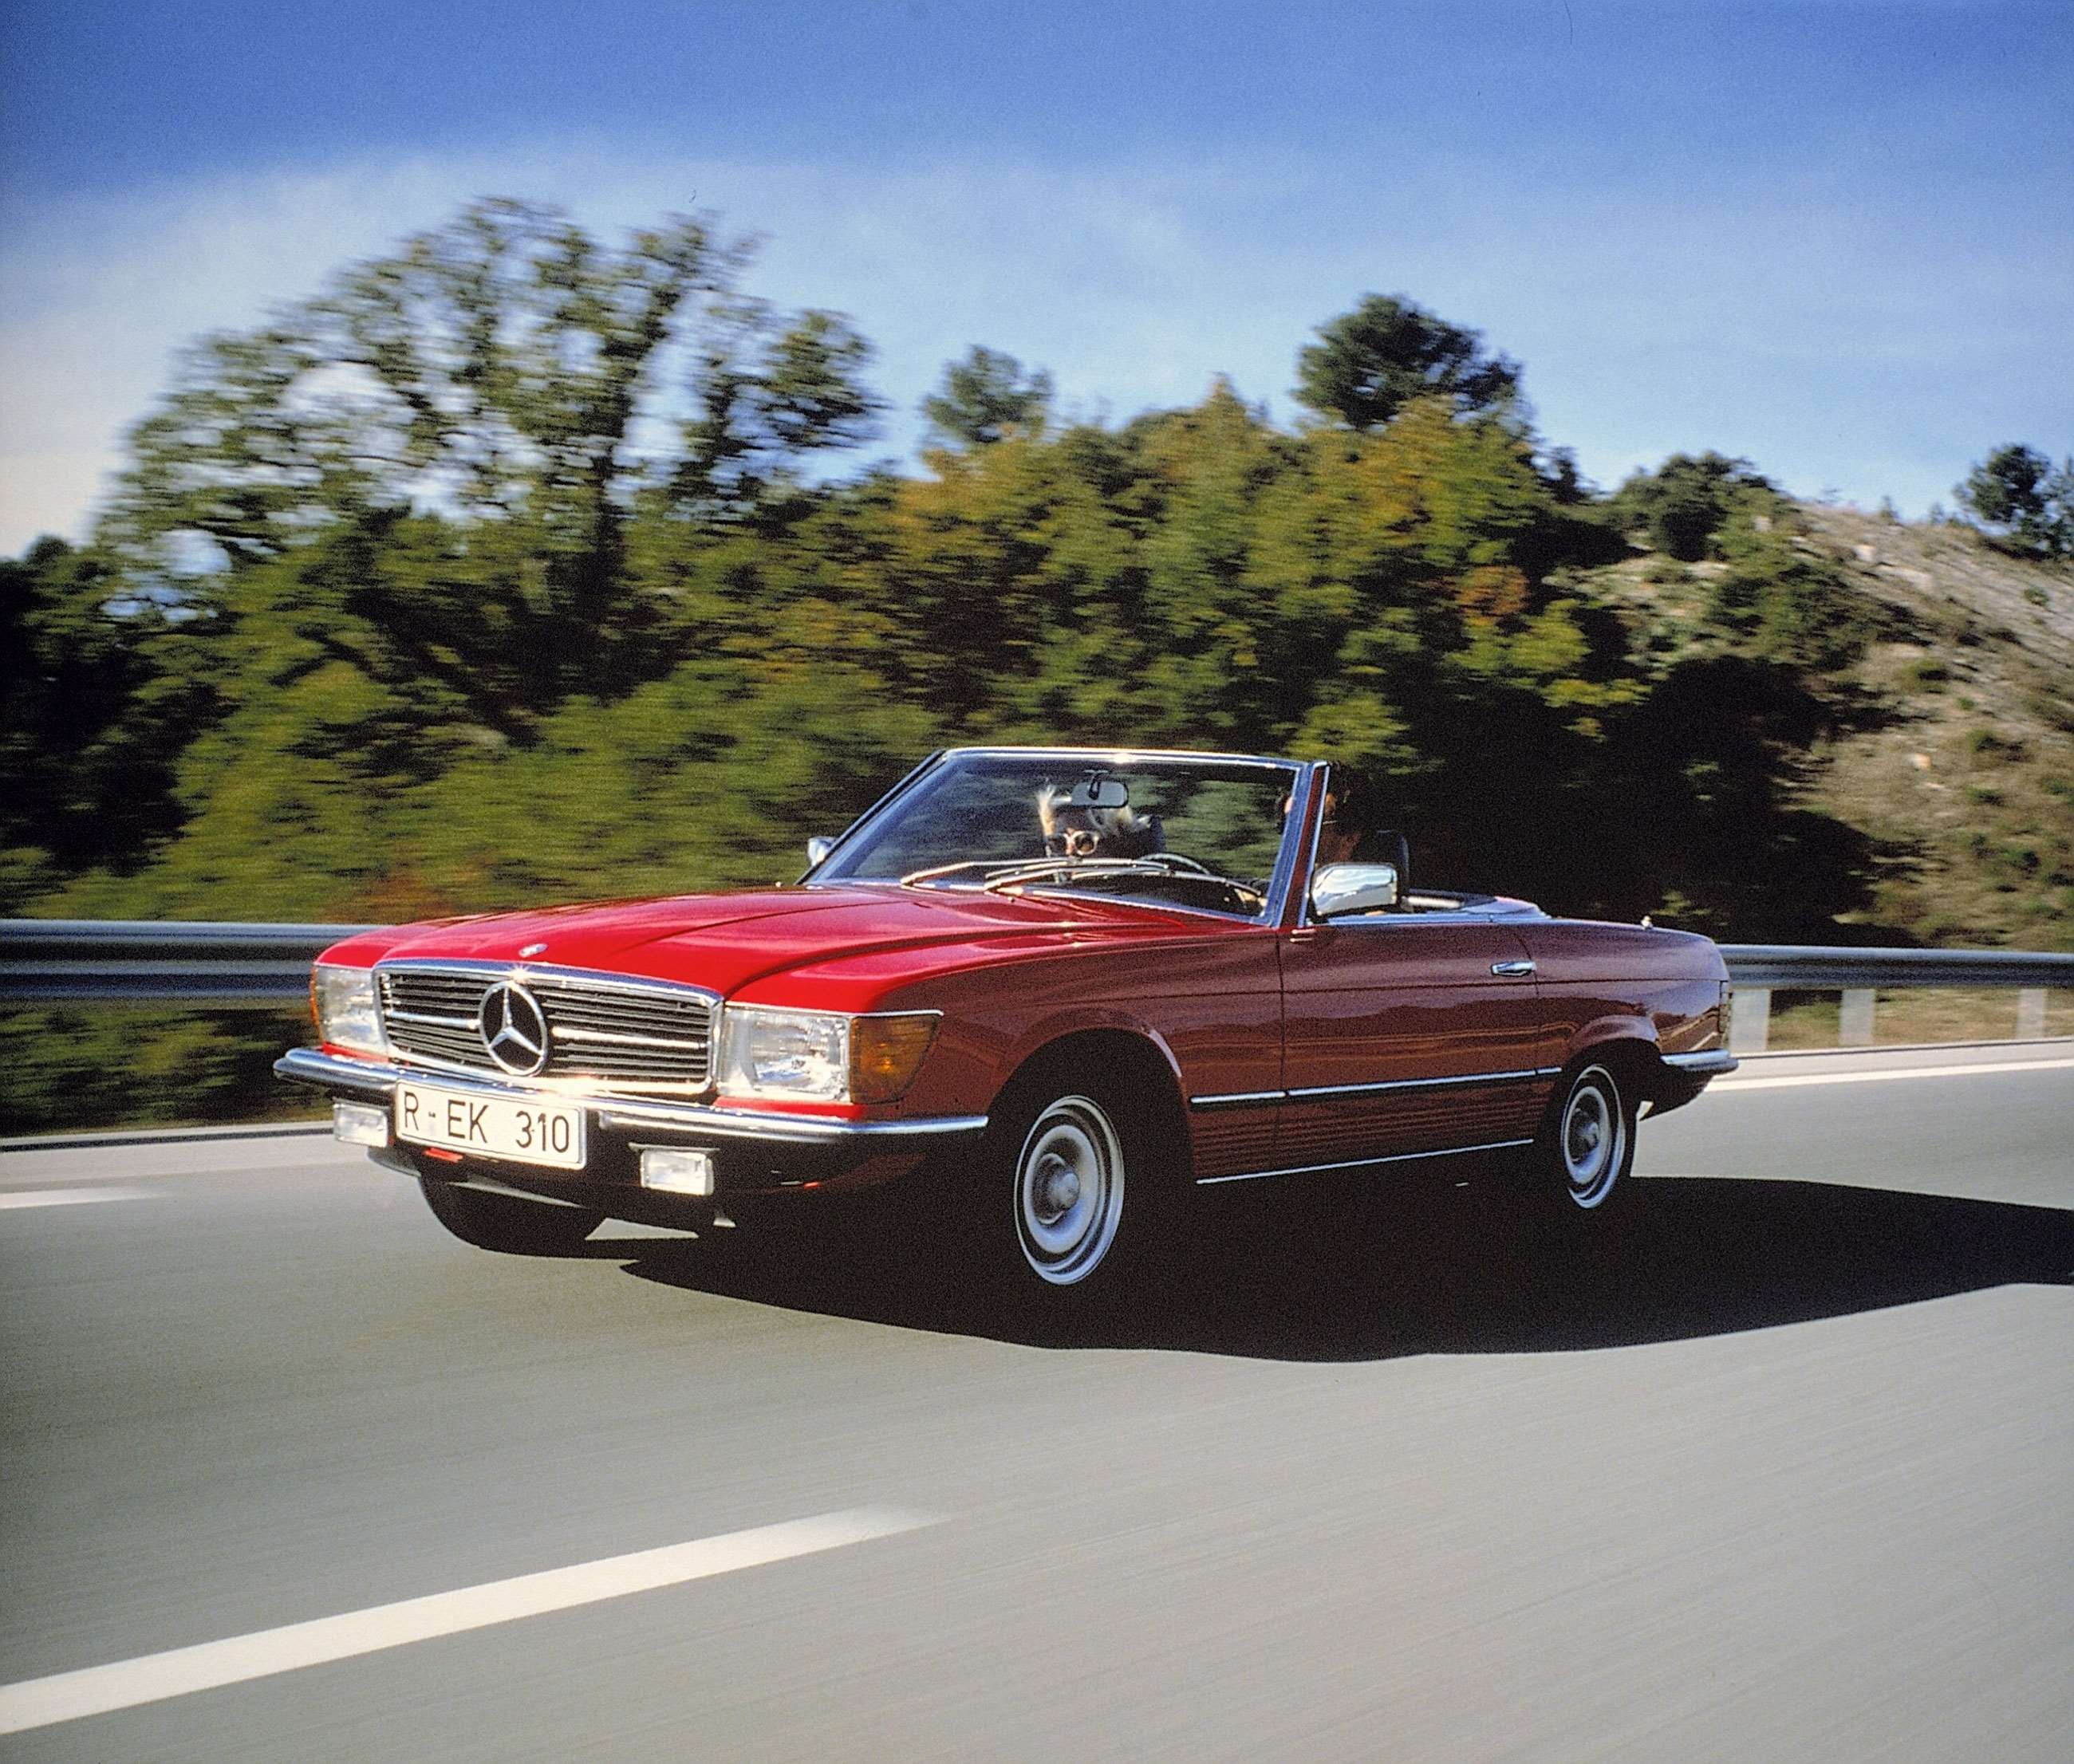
(885,1053)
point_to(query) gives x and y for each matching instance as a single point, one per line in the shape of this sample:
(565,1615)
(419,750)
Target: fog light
(676,1170)
(359,1123)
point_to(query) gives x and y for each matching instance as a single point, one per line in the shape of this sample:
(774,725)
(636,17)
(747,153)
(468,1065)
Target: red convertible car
(1049,991)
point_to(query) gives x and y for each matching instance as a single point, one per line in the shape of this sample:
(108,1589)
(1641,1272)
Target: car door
(1405,1034)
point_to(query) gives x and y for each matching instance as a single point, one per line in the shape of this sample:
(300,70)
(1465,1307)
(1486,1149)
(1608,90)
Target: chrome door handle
(1512,970)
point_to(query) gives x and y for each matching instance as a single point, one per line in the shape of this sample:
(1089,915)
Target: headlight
(346,1012)
(819,1056)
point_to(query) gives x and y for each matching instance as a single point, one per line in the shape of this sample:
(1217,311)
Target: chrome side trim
(1313,1092)
(330,1071)
(1710,1062)
(1357,1164)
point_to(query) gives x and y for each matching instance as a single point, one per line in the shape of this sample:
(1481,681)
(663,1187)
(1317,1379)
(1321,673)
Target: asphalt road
(1784,1470)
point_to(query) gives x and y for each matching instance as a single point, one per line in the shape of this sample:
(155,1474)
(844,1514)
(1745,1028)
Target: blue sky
(1838,239)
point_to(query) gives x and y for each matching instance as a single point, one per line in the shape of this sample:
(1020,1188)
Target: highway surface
(1785,1470)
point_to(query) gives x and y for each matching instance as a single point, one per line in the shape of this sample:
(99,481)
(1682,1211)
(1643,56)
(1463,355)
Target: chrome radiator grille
(627,1036)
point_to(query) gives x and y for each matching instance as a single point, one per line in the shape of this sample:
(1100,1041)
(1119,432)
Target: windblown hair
(1118,832)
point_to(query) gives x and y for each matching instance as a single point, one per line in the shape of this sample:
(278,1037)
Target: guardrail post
(1854,1023)
(2031,1014)
(1750,1027)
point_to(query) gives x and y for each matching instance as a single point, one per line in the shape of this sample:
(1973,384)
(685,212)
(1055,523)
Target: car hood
(727,941)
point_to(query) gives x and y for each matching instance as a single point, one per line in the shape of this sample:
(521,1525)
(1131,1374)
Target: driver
(1072,832)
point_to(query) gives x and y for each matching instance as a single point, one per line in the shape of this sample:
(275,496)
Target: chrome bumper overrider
(378,1078)
(1710,1063)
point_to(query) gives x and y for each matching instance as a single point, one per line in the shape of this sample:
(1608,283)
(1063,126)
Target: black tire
(509,1226)
(1073,1198)
(1579,1167)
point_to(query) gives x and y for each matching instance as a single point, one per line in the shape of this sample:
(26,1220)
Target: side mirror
(1340,890)
(817,851)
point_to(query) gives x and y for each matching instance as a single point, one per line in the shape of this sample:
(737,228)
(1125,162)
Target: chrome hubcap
(1594,1138)
(1058,1187)
(1069,1190)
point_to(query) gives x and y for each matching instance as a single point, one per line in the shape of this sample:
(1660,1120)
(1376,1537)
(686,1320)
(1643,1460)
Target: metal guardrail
(1817,968)
(235,966)
(1758,970)
(224,966)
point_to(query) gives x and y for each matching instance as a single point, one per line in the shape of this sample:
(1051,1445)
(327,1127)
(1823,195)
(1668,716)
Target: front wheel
(1586,1147)
(505,1224)
(1069,1181)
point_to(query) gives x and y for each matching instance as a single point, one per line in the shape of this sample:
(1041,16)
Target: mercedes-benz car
(1045,994)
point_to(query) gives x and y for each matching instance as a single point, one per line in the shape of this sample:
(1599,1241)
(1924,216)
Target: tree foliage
(520,382)
(2017,492)
(986,397)
(1682,505)
(494,574)
(1367,364)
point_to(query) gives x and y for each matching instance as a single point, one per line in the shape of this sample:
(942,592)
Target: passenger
(1350,819)
(1351,831)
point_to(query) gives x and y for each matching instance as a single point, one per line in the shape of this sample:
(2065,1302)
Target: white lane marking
(79,1197)
(95,1690)
(1728,1086)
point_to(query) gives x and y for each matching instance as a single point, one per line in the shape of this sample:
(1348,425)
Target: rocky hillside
(1952,744)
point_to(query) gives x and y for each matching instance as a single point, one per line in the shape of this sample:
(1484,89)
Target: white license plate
(527,1130)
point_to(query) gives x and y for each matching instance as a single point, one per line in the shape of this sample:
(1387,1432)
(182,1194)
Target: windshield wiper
(1160,863)
(916,878)
(1000,875)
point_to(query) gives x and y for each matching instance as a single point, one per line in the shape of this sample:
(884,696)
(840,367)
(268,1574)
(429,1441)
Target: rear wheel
(1586,1148)
(505,1224)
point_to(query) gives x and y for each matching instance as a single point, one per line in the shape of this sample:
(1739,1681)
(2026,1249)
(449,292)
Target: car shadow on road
(1439,1270)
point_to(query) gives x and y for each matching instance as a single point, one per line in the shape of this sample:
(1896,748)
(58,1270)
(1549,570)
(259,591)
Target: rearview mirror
(1099,790)
(1341,889)
(817,850)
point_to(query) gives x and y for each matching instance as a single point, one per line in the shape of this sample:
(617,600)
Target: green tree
(506,369)
(2016,491)
(986,398)
(1681,506)
(1367,363)
(96,702)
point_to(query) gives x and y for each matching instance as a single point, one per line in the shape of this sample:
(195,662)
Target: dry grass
(1916,1016)
(1970,778)
(1958,763)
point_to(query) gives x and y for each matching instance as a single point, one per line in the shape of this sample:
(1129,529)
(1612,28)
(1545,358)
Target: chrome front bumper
(647,1115)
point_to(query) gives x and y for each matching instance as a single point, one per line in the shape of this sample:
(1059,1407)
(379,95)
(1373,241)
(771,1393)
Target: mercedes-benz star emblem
(514,1029)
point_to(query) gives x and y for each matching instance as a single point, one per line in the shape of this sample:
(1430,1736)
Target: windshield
(1202,832)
